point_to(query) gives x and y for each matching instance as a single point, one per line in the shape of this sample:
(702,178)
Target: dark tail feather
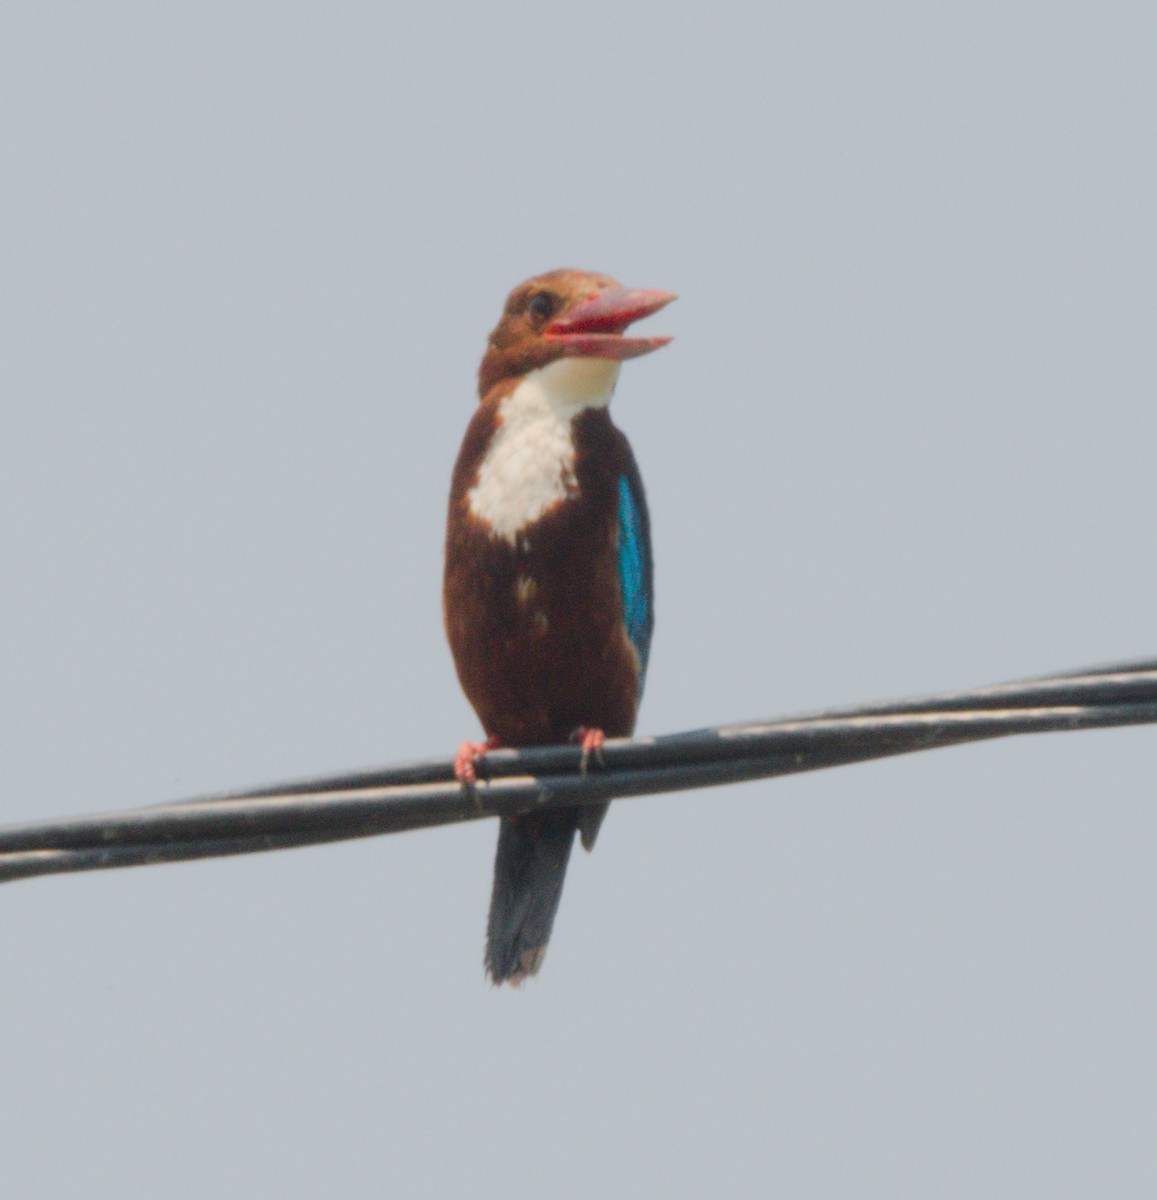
(528,872)
(590,818)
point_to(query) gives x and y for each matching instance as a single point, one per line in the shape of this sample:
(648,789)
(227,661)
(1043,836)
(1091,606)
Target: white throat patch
(529,465)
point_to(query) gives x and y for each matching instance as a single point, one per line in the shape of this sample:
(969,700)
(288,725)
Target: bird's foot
(591,740)
(466,760)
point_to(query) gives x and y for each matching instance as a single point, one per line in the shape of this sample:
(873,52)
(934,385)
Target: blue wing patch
(635,572)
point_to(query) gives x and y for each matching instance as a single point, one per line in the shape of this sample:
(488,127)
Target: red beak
(594,327)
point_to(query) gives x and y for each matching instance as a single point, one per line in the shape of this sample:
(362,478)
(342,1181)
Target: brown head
(567,314)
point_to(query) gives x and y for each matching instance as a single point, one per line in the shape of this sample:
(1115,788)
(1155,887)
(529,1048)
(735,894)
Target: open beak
(594,327)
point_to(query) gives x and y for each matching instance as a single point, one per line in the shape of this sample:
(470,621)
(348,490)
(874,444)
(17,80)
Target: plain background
(903,442)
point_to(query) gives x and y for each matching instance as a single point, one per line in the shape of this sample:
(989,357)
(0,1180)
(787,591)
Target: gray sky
(903,442)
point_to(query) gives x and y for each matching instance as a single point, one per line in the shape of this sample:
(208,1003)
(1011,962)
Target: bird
(548,585)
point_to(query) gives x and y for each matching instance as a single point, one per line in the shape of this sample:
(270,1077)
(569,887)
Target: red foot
(591,741)
(467,756)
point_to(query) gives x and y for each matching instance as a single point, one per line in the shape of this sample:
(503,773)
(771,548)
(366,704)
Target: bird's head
(567,314)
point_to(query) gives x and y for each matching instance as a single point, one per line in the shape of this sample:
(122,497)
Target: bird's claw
(591,740)
(466,760)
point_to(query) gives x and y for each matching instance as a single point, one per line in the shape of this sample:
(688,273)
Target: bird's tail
(529,868)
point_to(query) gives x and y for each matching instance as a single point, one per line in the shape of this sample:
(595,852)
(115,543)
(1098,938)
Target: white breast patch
(529,465)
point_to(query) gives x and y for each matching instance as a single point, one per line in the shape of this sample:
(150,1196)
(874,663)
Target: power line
(423,794)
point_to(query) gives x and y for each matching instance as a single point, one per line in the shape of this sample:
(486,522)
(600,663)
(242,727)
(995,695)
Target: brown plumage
(536,627)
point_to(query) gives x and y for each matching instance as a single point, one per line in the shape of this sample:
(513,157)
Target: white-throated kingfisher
(548,589)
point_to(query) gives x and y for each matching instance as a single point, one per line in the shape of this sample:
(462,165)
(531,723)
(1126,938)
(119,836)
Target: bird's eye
(541,306)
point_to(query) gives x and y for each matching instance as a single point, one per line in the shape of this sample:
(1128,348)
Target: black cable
(424,794)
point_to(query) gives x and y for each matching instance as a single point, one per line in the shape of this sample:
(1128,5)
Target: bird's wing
(636,575)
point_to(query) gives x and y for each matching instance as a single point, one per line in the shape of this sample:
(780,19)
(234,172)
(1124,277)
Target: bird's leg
(468,754)
(591,740)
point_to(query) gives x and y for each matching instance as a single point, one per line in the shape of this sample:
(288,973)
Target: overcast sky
(903,442)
